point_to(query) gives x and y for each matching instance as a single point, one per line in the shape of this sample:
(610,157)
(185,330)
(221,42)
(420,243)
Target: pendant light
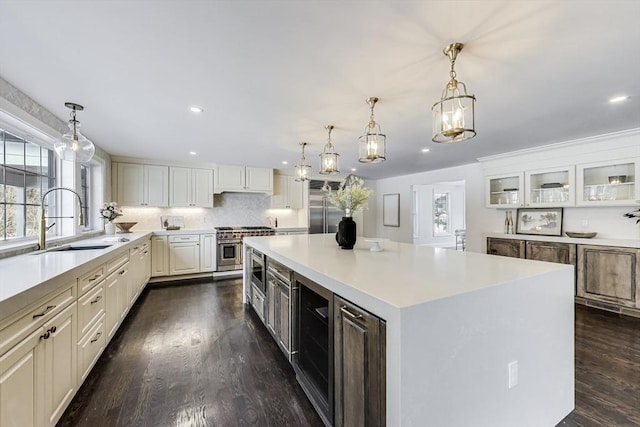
(372,145)
(329,157)
(73,145)
(303,170)
(453,115)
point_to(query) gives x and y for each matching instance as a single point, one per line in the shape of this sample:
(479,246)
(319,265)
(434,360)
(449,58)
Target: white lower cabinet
(21,378)
(184,254)
(48,349)
(38,375)
(159,256)
(90,348)
(60,364)
(207,252)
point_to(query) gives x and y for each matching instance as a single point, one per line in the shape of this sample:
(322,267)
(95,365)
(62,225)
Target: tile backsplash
(230,209)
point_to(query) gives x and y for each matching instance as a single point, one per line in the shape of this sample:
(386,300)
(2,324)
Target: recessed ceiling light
(353,169)
(193,153)
(195,109)
(284,162)
(620,98)
(425,150)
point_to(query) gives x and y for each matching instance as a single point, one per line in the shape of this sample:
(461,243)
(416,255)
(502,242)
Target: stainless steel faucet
(42,232)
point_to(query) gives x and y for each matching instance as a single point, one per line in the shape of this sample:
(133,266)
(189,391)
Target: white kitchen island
(455,324)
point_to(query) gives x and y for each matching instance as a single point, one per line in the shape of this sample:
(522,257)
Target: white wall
(478,219)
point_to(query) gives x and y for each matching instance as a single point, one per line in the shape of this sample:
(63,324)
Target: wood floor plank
(193,355)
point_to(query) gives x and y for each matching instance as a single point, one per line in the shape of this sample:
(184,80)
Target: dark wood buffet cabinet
(607,277)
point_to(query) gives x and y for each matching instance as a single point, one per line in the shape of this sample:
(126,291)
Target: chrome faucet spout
(42,231)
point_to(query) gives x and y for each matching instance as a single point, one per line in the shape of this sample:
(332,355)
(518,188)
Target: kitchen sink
(71,248)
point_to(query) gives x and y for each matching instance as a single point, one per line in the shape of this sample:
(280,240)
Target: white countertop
(400,276)
(26,278)
(623,243)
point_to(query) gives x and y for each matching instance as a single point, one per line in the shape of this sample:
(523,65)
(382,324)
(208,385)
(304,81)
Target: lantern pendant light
(372,145)
(73,145)
(453,115)
(303,170)
(329,157)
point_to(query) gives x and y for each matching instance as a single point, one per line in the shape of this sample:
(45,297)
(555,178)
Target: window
(85,194)
(27,170)
(441,211)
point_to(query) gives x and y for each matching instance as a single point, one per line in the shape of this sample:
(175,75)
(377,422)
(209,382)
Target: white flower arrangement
(110,211)
(350,196)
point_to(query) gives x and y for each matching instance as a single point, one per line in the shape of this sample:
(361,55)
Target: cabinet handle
(52,329)
(45,336)
(48,309)
(98,298)
(95,277)
(343,309)
(96,337)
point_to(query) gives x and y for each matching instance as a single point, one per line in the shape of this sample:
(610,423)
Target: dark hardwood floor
(192,355)
(607,370)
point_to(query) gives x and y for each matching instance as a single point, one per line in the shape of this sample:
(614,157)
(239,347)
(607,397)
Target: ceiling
(270,74)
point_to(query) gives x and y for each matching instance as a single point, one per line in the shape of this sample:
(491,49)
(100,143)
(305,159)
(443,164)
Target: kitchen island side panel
(455,354)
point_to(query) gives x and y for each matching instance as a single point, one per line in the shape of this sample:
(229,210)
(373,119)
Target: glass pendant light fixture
(372,145)
(329,157)
(73,145)
(303,170)
(453,115)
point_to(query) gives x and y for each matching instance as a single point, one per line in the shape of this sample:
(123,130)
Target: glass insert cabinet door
(550,187)
(608,183)
(504,191)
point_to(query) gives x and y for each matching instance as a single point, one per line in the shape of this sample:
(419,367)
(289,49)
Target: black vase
(346,235)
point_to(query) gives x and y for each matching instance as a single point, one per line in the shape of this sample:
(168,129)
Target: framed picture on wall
(542,221)
(391,210)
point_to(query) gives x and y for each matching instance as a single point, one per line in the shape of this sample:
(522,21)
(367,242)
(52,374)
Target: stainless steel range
(229,241)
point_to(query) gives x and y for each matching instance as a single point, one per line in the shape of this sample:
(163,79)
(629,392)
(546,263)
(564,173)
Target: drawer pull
(45,336)
(95,277)
(96,337)
(48,309)
(98,298)
(350,314)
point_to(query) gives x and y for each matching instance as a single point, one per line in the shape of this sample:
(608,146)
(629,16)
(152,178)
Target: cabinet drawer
(185,238)
(90,308)
(22,325)
(90,279)
(90,347)
(116,262)
(258,302)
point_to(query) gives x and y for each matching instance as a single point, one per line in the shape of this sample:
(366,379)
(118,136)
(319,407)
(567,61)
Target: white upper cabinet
(531,188)
(190,187)
(610,183)
(287,193)
(550,187)
(243,179)
(142,185)
(230,178)
(505,191)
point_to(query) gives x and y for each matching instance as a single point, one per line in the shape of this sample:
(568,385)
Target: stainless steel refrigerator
(323,216)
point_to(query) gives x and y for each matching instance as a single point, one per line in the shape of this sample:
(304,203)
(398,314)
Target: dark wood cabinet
(514,248)
(359,364)
(561,253)
(609,274)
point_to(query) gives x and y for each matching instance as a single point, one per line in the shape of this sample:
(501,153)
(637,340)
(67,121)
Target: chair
(461,236)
